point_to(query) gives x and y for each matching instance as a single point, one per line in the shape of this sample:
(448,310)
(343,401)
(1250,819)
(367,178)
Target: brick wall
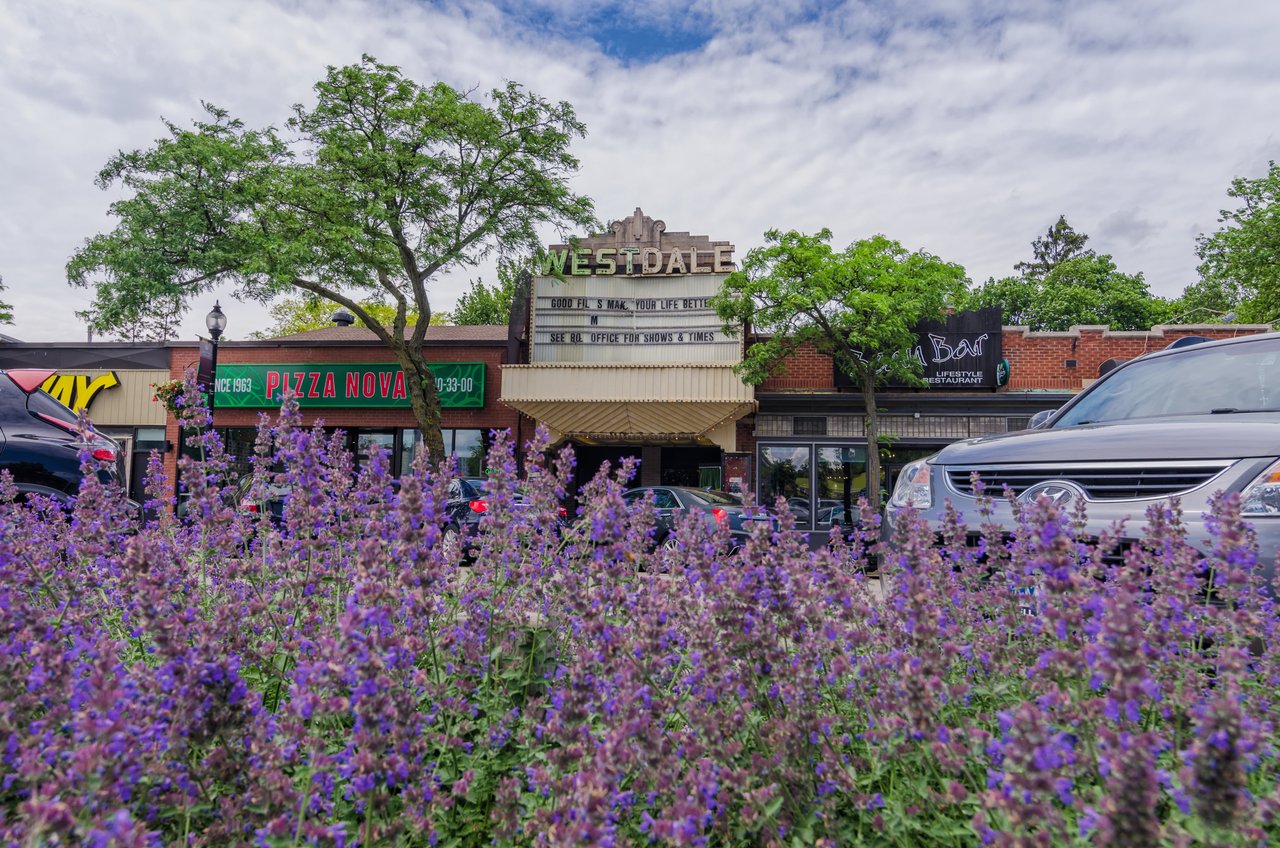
(1036,360)
(493,415)
(1040,360)
(806,370)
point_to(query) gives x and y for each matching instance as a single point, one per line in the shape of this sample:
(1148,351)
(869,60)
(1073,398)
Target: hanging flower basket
(168,393)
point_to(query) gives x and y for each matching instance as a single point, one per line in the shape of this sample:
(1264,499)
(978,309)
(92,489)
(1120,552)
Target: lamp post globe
(215,321)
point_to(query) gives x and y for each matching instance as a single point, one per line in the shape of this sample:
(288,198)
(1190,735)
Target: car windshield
(1217,380)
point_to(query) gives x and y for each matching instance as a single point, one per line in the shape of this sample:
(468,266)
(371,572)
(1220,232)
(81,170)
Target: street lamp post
(215,322)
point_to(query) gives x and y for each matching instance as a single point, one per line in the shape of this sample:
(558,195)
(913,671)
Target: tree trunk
(423,398)
(873,439)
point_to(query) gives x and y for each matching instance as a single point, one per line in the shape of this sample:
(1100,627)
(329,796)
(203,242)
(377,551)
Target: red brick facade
(1037,360)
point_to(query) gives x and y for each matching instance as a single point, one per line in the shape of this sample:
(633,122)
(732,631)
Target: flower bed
(335,680)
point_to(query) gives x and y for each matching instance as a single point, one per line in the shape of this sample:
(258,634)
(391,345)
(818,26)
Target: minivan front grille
(1103,481)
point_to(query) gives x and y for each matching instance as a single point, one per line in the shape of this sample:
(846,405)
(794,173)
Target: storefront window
(784,472)
(368,443)
(410,445)
(468,446)
(841,480)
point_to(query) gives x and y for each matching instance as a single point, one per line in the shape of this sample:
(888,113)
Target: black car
(670,502)
(467,504)
(40,440)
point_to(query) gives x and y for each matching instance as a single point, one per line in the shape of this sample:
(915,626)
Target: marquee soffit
(628,401)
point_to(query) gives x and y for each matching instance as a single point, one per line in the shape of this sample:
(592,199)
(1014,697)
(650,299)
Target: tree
(1241,261)
(483,305)
(1085,289)
(385,184)
(6,311)
(1060,243)
(860,306)
(303,314)
(1065,284)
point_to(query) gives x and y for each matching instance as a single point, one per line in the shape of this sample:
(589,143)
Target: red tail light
(479,506)
(251,507)
(720,515)
(105,454)
(564,513)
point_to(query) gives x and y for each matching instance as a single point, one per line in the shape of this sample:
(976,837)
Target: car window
(711,496)
(1196,381)
(43,403)
(665,499)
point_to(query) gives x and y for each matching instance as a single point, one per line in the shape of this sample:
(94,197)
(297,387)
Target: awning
(637,404)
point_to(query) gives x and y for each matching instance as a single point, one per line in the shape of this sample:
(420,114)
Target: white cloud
(964,127)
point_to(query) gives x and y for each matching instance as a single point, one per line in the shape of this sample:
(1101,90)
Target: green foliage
(1017,298)
(484,305)
(1065,285)
(1060,243)
(384,184)
(303,314)
(1086,289)
(859,306)
(1240,264)
(6,311)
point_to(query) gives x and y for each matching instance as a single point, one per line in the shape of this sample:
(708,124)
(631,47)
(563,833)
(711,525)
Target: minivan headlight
(1262,496)
(912,488)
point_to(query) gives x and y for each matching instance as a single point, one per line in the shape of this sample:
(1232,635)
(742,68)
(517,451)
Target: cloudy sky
(964,127)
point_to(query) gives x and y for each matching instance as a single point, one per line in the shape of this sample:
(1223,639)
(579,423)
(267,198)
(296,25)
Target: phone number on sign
(454,385)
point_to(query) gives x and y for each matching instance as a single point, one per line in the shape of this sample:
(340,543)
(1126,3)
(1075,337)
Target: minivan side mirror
(1040,419)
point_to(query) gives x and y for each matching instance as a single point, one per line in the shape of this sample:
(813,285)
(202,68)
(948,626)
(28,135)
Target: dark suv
(1186,422)
(40,440)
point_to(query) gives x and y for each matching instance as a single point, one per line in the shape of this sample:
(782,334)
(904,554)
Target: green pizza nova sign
(373,384)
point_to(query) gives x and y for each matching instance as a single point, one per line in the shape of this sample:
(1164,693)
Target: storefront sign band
(382,385)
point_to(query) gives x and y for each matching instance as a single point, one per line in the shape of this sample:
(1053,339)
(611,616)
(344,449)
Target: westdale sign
(633,261)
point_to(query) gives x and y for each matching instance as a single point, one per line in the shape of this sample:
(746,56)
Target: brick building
(347,379)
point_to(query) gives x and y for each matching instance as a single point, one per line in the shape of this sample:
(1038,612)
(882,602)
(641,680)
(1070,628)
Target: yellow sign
(77,391)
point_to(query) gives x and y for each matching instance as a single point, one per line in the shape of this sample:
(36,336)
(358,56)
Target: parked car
(40,440)
(271,501)
(1186,422)
(670,502)
(468,503)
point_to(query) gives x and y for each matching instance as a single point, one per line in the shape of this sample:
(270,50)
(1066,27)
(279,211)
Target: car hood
(1231,436)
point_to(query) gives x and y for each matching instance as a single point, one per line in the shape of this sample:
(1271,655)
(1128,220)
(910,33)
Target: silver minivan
(1187,422)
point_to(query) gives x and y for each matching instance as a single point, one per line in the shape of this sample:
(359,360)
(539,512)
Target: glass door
(785,471)
(840,478)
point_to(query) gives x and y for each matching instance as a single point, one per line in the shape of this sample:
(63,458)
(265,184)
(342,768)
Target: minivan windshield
(1215,380)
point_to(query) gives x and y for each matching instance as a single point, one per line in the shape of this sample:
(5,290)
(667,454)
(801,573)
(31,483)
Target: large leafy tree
(383,184)
(859,305)
(482,304)
(1240,263)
